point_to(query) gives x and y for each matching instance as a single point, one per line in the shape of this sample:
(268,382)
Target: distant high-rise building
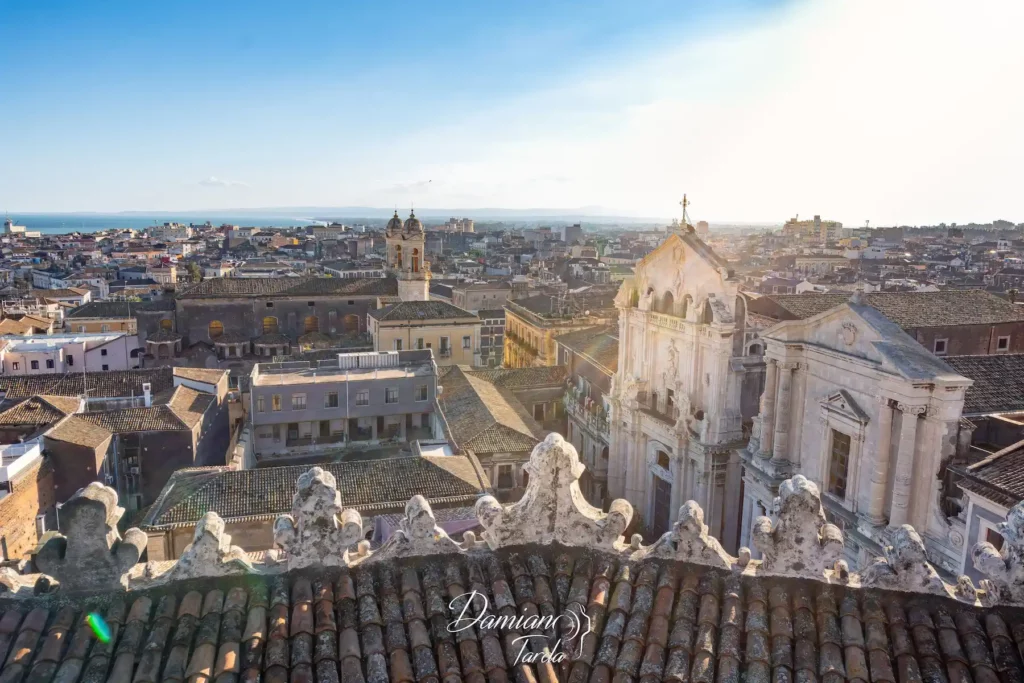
(572,233)
(815,230)
(702,229)
(459,225)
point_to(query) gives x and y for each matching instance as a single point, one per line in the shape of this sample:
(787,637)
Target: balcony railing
(591,413)
(648,405)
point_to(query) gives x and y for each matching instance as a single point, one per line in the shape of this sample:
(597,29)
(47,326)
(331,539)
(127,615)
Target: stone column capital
(790,365)
(912,409)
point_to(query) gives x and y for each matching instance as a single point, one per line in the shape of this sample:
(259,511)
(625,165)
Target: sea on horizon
(60,223)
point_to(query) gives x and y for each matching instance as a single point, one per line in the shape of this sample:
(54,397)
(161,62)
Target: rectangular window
(104,328)
(275,402)
(398,345)
(105,368)
(838,464)
(940,347)
(419,343)
(35,365)
(16,365)
(103,352)
(261,405)
(391,395)
(49,363)
(363,398)
(994,537)
(298,401)
(71,360)
(506,480)
(332,400)
(81,328)
(421,392)
(277,433)
(466,342)
(444,344)
(1003,343)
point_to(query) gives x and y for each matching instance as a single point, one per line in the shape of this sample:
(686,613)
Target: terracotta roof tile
(112,384)
(421,310)
(914,309)
(201,374)
(287,286)
(81,432)
(40,410)
(189,405)
(152,419)
(598,343)
(485,417)
(998,382)
(369,484)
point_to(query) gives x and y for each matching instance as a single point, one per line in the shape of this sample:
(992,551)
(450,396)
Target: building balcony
(588,412)
(668,414)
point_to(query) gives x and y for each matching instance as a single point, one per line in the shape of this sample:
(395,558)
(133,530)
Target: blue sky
(624,105)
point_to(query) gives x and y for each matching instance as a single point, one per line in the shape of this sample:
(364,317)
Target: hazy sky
(907,111)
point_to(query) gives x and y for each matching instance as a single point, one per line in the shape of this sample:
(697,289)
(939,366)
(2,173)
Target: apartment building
(359,398)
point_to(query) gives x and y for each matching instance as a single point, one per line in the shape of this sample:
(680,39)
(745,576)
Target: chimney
(147,392)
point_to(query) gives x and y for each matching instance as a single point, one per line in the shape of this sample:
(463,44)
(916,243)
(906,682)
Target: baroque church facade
(689,376)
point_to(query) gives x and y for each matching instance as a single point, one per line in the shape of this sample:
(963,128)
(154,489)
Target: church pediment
(842,403)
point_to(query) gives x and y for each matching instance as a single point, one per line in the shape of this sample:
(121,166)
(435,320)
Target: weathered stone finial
(905,566)
(553,508)
(313,534)
(417,534)
(92,556)
(1004,568)
(210,553)
(802,542)
(689,541)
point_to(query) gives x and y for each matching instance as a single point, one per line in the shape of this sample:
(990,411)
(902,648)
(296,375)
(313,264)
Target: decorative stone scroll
(92,556)
(553,509)
(1004,568)
(905,566)
(210,553)
(313,534)
(417,534)
(688,541)
(802,542)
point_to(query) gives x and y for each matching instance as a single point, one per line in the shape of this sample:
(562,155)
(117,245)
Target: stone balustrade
(321,532)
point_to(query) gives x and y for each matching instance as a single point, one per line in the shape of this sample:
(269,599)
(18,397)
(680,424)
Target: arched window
(415,260)
(216,329)
(663,460)
(667,303)
(166,324)
(687,302)
(755,350)
(350,323)
(741,312)
(398,256)
(163,351)
(135,353)
(270,325)
(311,324)
(707,316)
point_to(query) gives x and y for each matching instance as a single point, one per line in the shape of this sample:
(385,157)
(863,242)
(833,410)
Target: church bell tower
(406,257)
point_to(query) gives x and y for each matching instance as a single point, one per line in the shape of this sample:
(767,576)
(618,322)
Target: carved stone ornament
(417,534)
(688,541)
(801,542)
(553,509)
(1004,568)
(848,333)
(905,566)
(313,534)
(210,553)
(92,556)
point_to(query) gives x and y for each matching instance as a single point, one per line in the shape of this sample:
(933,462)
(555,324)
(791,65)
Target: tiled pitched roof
(190,405)
(999,477)
(39,410)
(112,384)
(650,622)
(78,431)
(201,374)
(998,382)
(128,420)
(105,309)
(421,310)
(524,378)
(914,309)
(474,407)
(364,485)
(291,286)
(598,343)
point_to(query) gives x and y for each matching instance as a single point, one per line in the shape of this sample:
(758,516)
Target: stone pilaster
(767,412)
(875,499)
(780,449)
(901,488)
